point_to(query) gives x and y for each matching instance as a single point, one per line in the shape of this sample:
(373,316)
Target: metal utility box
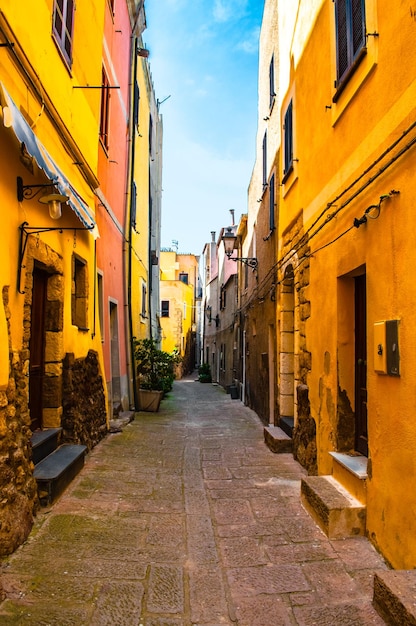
(386,347)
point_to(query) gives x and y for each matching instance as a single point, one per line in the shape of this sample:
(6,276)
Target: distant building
(179,293)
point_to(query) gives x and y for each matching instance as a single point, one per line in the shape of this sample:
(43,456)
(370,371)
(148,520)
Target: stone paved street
(187,518)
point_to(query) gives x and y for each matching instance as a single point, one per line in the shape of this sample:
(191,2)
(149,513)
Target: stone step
(56,471)
(333,508)
(394,596)
(277,440)
(287,424)
(44,442)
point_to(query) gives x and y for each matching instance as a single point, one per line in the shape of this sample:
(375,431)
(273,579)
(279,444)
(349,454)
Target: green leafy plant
(155,368)
(204,373)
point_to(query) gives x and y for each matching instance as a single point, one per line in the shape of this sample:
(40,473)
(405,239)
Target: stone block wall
(18,492)
(84,418)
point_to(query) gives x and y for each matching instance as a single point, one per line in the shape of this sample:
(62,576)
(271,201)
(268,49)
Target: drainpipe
(130,348)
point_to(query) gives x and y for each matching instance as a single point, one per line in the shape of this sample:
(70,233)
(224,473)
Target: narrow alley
(187,518)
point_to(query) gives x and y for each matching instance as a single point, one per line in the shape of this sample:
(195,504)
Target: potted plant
(155,373)
(204,373)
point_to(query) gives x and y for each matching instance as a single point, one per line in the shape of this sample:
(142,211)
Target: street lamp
(229,239)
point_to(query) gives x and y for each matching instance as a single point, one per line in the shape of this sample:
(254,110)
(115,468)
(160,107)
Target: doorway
(115,354)
(37,347)
(361,431)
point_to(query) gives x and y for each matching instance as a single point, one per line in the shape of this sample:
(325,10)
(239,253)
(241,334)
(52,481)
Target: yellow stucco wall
(177,327)
(140,237)
(66,121)
(339,172)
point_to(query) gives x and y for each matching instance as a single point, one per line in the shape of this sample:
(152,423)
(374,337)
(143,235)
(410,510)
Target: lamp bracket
(250,261)
(27,192)
(25,231)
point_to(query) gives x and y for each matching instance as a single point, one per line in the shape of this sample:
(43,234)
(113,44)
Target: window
(184,310)
(288,139)
(62,27)
(144,297)
(350,35)
(105,109)
(133,205)
(151,136)
(165,308)
(271,82)
(223,297)
(265,161)
(183,277)
(136,104)
(272,224)
(79,293)
(100,297)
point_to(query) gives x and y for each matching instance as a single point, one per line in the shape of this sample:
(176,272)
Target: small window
(144,298)
(265,160)
(136,104)
(63,26)
(133,205)
(272,223)
(79,295)
(184,310)
(165,308)
(183,277)
(105,110)
(271,82)
(150,136)
(288,139)
(350,35)
(100,297)
(223,298)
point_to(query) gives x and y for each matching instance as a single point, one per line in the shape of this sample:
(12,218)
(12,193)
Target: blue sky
(204,59)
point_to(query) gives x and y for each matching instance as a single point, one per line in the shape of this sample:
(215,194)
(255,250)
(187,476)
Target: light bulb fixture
(229,240)
(54,199)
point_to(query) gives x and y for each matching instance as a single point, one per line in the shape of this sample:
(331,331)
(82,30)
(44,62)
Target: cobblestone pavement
(187,518)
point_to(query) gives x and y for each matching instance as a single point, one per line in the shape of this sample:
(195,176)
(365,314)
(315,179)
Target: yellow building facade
(178,292)
(49,334)
(345,261)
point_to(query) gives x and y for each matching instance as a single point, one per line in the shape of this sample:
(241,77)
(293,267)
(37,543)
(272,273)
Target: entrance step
(333,508)
(394,596)
(56,471)
(44,442)
(287,424)
(277,440)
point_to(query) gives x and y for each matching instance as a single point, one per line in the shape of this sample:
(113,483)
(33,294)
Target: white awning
(14,119)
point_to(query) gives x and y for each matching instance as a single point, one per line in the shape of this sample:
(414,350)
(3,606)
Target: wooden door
(361,433)
(37,347)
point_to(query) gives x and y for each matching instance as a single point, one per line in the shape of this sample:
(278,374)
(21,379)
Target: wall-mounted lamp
(53,199)
(229,239)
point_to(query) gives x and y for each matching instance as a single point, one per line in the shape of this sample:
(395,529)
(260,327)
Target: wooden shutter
(288,138)
(350,33)
(271,204)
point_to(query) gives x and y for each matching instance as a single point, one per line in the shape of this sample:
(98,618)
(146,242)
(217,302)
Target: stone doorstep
(44,442)
(395,596)
(277,440)
(338,514)
(56,471)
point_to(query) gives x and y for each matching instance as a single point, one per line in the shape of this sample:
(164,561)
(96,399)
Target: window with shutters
(288,141)
(63,27)
(350,37)
(272,94)
(272,224)
(264,149)
(105,110)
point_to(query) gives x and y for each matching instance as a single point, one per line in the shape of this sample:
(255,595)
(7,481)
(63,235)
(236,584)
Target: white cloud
(250,43)
(226,10)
